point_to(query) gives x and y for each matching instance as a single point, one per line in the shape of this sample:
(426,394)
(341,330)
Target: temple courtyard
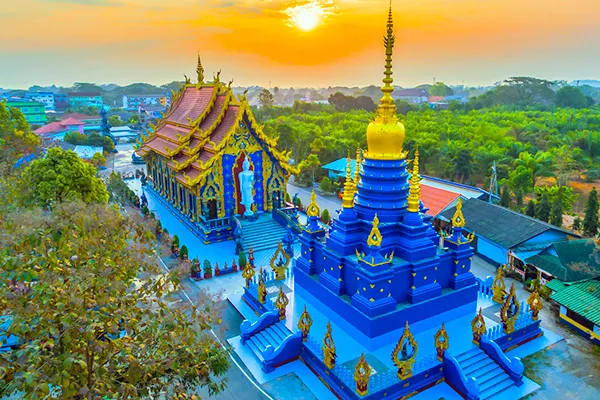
(558,364)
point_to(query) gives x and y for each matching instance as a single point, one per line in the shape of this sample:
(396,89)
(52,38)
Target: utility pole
(493,182)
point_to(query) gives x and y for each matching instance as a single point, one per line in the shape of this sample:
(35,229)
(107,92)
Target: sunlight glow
(305,17)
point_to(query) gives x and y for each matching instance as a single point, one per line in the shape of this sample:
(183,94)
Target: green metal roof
(582,298)
(555,285)
(576,260)
(500,225)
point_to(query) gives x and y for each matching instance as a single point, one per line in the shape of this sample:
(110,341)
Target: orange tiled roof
(436,200)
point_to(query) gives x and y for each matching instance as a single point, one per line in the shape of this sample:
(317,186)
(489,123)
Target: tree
(115,120)
(62,176)
(98,160)
(326,185)
(570,96)
(505,197)
(576,224)
(325,217)
(543,209)
(530,208)
(88,325)
(242,260)
(311,164)
(539,164)
(556,213)
(265,99)
(566,194)
(590,220)
(184,252)
(519,200)
(16,138)
(440,89)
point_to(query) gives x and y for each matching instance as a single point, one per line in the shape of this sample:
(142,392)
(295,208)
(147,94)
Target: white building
(46,98)
(134,101)
(87,152)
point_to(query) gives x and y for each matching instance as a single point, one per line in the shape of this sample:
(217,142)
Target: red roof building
(437,200)
(56,130)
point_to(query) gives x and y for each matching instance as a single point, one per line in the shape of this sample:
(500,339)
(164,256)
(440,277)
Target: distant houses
(34,111)
(85,99)
(413,96)
(58,130)
(135,101)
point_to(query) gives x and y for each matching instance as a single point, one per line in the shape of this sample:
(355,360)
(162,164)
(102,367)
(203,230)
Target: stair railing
(249,329)
(512,366)
(285,219)
(288,349)
(238,234)
(456,378)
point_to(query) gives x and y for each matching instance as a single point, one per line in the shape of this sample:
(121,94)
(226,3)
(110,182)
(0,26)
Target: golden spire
(385,134)
(375,236)
(200,70)
(357,169)
(348,197)
(415,186)
(458,220)
(313,208)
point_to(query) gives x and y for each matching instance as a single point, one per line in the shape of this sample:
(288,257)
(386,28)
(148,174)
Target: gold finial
(304,324)
(385,134)
(200,70)
(357,169)
(458,220)
(535,304)
(281,303)
(509,312)
(478,327)
(329,352)
(362,373)
(375,236)
(405,354)
(441,342)
(415,186)
(348,197)
(313,209)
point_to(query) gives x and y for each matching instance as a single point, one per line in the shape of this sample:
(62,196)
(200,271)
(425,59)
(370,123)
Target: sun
(305,17)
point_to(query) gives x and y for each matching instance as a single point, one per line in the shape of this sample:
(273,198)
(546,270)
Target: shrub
(175,240)
(183,253)
(325,217)
(207,267)
(145,211)
(242,260)
(326,185)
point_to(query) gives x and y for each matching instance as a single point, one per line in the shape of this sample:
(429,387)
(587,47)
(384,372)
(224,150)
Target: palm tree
(540,164)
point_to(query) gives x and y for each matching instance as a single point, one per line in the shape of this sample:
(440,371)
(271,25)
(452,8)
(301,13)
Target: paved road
(331,202)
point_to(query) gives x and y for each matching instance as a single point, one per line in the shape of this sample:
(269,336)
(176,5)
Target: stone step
(479,371)
(474,360)
(492,380)
(496,390)
(468,354)
(255,350)
(262,340)
(477,366)
(281,331)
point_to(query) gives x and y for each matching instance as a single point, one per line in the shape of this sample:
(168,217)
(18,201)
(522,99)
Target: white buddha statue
(246,179)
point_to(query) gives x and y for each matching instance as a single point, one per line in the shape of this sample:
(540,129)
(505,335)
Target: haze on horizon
(309,43)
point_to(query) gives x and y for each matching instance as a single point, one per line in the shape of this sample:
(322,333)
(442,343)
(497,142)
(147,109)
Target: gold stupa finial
(200,70)
(375,236)
(385,134)
(414,195)
(348,197)
(313,208)
(357,169)
(458,220)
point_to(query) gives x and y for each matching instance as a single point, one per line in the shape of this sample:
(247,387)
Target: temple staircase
(262,234)
(492,380)
(273,335)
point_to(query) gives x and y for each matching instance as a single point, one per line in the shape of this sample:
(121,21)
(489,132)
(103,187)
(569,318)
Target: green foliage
(326,185)
(577,224)
(297,202)
(119,192)
(556,213)
(519,199)
(115,120)
(175,240)
(543,208)
(590,220)
(85,261)
(16,137)
(325,217)
(207,268)
(440,89)
(287,198)
(242,260)
(183,252)
(62,176)
(505,197)
(98,160)
(565,193)
(530,208)
(310,165)
(569,96)
(93,139)
(347,103)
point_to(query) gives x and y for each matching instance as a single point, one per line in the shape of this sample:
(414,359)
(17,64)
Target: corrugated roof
(582,298)
(500,225)
(436,200)
(576,260)
(556,285)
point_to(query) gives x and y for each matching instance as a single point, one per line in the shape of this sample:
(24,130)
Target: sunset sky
(296,43)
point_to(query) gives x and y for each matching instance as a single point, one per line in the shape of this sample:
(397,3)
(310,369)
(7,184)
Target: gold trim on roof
(375,237)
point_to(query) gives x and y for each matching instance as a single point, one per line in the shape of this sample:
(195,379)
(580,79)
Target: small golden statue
(304,324)
(313,208)
(535,303)
(251,256)
(499,287)
(405,354)
(478,327)
(248,274)
(281,303)
(280,262)
(329,354)
(362,373)
(510,311)
(441,342)
(262,290)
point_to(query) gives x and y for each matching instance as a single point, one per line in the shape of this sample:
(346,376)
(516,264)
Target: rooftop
(87,152)
(500,225)
(574,260)
(582,298)
(57,127)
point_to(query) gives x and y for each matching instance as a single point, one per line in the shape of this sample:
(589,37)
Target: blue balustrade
(512,366)
(249,329)
(289,349)
(455,376)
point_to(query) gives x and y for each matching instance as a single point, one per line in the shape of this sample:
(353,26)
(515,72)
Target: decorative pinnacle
(357,169)
(415,186)
(313,208)
(387,107)
(200,70)
(348,197)
(375,236)
(458,220)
